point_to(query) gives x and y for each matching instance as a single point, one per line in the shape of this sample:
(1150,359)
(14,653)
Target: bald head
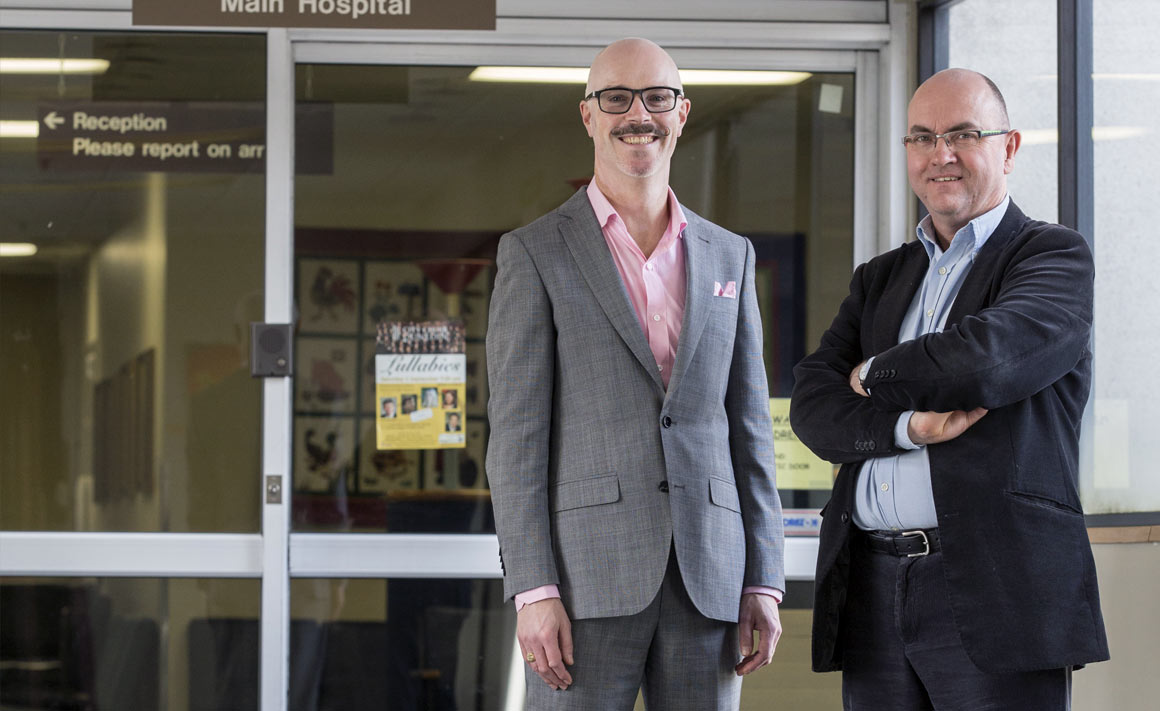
(618,64)
(959,181)
(978,88)
(634,145)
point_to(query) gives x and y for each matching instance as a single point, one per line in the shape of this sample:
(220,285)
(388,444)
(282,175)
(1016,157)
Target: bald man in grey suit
(631,453)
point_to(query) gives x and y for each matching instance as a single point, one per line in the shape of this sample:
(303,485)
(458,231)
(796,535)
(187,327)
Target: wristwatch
(863,373)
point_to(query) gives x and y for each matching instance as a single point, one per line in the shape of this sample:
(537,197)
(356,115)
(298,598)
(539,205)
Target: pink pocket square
(729,291)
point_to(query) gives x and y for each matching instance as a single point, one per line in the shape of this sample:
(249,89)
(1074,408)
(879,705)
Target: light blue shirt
(893,493)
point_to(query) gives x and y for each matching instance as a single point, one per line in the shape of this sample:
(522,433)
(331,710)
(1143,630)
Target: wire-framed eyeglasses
(618,99)
(963,139)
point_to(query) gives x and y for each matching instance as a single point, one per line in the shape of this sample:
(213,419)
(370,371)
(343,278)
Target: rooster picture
(331,292)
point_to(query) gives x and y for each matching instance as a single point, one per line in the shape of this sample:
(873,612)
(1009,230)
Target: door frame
(878,55)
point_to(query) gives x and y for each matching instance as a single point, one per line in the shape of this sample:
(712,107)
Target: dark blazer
(1017,560)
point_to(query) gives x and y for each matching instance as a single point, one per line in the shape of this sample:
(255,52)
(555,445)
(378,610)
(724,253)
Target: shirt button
(885,486)
(650,266)
(930,312)
(660,367)
(656,317)
(942,270)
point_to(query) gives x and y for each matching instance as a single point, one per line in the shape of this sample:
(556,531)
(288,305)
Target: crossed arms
(1032,327)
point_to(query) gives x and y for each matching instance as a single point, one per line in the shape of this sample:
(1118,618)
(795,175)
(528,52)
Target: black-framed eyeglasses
(618,99)
(963,139)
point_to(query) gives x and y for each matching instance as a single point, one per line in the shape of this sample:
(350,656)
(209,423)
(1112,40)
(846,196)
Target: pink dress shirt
(656,289)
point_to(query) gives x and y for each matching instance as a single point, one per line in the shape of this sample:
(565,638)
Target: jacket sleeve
(836,423)
(1034,331)
(520,369)
(751,443)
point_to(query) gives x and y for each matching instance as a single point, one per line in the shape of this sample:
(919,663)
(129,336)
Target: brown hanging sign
(347,14)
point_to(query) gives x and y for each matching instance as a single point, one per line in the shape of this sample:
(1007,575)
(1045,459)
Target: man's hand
(935,427)
(543,628)
(758,614)
(856,382)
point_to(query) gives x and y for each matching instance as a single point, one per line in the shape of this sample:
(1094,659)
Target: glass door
(132,261)
(393,554)
(176,534)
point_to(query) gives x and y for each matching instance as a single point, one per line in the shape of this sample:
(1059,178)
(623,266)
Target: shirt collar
(971,237)
(604,210)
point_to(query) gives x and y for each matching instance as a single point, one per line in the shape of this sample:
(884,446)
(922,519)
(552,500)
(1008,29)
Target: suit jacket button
(845,517)
(667,421)
(663,486)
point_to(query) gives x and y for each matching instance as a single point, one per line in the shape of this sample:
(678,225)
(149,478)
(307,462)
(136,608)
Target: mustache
(637,129)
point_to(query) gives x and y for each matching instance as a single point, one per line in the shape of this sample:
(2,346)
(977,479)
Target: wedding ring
(531,657)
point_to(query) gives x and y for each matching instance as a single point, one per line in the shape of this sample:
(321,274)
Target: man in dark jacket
(954,569)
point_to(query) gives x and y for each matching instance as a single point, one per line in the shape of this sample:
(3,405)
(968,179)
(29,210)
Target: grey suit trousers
(680,659)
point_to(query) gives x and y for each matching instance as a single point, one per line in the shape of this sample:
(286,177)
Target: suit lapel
(585,241)
(896,298)
(982,272)
(698,292)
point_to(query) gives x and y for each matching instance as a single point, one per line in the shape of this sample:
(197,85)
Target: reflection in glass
(431,168)
(128,404)
(122,643)
(1119,476)
(403,644)
(1019,55)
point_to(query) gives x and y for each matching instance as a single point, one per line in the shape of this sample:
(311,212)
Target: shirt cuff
(543,592)
(762,590)
(901,433)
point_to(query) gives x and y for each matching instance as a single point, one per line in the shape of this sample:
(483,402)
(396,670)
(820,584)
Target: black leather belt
(909,544)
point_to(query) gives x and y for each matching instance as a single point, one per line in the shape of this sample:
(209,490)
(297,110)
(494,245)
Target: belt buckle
(925,542)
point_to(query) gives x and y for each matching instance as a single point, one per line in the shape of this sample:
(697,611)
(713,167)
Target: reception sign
(420,384)
(346,14)
(175,136)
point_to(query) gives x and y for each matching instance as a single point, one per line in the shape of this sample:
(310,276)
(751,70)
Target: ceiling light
(17,249)
(45,65)
(728,77)
(539,75)
(579,75)
(19,129)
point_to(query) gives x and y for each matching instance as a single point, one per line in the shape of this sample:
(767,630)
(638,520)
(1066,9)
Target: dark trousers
(902,651)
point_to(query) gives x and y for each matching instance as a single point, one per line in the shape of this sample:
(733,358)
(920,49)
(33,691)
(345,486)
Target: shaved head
(958,184)
(633,147)
(623,57)
(966,81)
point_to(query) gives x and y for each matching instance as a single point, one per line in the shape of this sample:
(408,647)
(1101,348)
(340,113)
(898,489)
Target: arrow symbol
(53,121)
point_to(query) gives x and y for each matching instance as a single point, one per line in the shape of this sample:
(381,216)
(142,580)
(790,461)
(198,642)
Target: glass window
(128,643)
(1120,476)
(1014,44)
(403,644)
(411,644)
(131,216)
(430,167)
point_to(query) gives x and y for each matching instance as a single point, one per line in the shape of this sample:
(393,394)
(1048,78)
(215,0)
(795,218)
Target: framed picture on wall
(323,453)
(395,291)
(476,389)
(326,378)
(384,471)
(328,296)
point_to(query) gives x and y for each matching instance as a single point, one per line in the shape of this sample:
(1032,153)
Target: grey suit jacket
(585,439)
